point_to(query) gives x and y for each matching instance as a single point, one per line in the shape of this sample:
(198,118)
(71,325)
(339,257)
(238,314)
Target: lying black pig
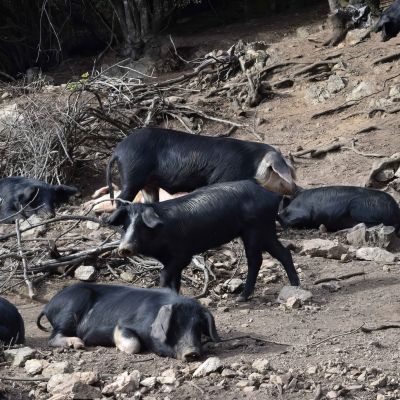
(24,197)
(11,324)
(341,207)
(153,158)
(389,21)
(157,320)
(175,230)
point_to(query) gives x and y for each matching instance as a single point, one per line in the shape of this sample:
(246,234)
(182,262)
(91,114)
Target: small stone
(362,377)
(261,365)
(86,273)
(5,95)
(212,364)
(92,225)
(361,90)
(242,383)
(87,378)
(332,395)
(312,370)
(35,366)
(384,176)
(323,248)
(335,84)
(355,36)
(19,356)
(168,377)
(124,383)
(375,254)
(228,373)
(380,382)
(75,390)
(249,389)
(303,32)
(331,286)
(233,285)
(293,292)
(127,276)
(293,302)
(256,377)
(149,382)
(354,387)
(206,301)
(380,396)
(57,368)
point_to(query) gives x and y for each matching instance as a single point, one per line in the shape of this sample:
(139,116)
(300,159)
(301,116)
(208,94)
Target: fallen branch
(387,58)
(380,328)
(339,278)
(335,336)
(315,153)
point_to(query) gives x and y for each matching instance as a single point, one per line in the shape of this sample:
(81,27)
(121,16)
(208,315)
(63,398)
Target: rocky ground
(311,344)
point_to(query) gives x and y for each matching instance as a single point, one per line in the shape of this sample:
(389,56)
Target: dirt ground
(325,333)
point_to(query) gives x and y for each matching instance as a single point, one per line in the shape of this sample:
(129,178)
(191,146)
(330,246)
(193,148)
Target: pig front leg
(59,340)
(171,274)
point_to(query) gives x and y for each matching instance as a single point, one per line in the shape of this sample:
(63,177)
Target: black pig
(11,324)
(153,158)
(24,197)
(389,22)
(157,320)
(340,207)
(175,230)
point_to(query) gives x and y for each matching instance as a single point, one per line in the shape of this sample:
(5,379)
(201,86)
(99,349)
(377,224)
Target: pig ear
(151,218)
(160,326)
(210,329)
(118,217)
(280,166)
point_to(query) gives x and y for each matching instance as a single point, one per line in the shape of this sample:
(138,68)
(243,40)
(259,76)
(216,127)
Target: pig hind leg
(275,248)
(126,340)
(253,249)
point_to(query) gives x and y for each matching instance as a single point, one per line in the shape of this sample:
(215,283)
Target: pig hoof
(241,299)
(75,342)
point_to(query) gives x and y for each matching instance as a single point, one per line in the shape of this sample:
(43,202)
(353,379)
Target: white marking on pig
(130,345)
(60,340)
(126,242)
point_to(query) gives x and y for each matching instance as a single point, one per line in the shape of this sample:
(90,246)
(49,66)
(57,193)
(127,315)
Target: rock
(293,302)
(261,365)
(332,395)
(212,364)
(19,356)
(380,382)
(335,84)
(312,370)
(293,291)
(317,93)
(323,248)
(395,184)
(92,225)
(375,254)
(149,382)
(355,36)
(397,173)
(8,115)
(34,367)
(380,396)
(127,276)
(56,368)
(228,373)
(242,383)
(205,301)
(233,285)
(249,389)
(75,390)
(87,378)
(168,377)
(385,175)
(376,236)
(361,90)
(124,383)
(256,377)
(5,95)
(331,286)
(362,377)
(303,32)
(86,273)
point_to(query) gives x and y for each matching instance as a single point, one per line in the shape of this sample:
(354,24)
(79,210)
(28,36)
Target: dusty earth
(316,351)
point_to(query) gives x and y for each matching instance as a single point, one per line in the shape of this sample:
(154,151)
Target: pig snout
(126,249)
(189,354)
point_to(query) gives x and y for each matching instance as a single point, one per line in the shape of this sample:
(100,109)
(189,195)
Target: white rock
(249,389)
(124,383)
(312,370)
(261,365)
(56,381)
(256,377)
(228,373)
(167,377)
(205,301)
(332,395)
(92,225)
(293,302)
(86,273)
(361,90)
(375,254)
(127,276)
(294,292)
(380,396)
(56,368)
(323,248)
(149,382)
(242,383)
(331,286)
(355,36)
(212,364)
(233,285)
(335,84)
(35,366)
(19,356)
(303,32)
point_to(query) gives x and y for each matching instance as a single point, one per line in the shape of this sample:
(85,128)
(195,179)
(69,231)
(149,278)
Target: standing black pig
(341,207)
(175,230)
(20,196)
(389,22)
(11,324)
(157,320)
(153,158)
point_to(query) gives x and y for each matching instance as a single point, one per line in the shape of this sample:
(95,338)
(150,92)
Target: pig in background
(12,329)
(132,319)
(153,158)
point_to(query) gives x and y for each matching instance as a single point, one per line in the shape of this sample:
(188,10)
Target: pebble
(212,364)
